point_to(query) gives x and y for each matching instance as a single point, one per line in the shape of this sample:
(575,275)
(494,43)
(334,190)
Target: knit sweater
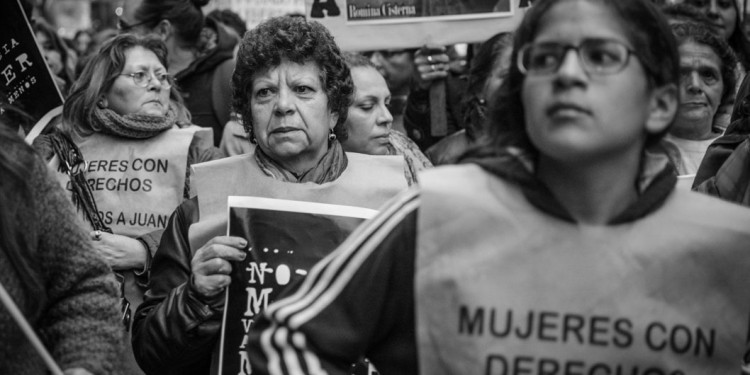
(79,323)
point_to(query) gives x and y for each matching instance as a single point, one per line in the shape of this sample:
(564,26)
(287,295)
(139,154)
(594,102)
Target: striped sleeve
(357,302)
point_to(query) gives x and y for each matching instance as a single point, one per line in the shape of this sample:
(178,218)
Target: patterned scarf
(329,168)
(136,126)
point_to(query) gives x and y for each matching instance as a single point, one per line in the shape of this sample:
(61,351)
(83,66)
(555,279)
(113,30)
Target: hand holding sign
(430,64)
(211,267)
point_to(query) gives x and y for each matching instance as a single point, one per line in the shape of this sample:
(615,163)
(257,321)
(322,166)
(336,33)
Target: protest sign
(361,25)
(285,239)
(136,183)
(28,92)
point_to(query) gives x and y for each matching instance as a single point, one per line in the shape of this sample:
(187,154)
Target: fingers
(224,247)
(212,265)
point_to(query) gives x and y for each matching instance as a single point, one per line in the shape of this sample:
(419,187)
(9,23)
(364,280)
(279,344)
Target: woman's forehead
(575,20)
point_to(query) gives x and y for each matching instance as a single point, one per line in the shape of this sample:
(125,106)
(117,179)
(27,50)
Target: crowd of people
(584,210)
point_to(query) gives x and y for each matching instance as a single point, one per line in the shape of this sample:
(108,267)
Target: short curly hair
(299,41)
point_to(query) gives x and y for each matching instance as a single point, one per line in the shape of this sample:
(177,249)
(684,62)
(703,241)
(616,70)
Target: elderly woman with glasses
(562,246)
(123,151)
(201,54)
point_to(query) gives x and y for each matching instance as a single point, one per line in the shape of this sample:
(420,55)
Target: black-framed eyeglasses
(123,26)
(142,79)
(597,56)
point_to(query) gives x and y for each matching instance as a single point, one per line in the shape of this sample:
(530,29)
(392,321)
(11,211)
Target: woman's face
(701,85)
(574,115)
(53,56)
(125,97)
(722,13)
(291,118)
(369,120)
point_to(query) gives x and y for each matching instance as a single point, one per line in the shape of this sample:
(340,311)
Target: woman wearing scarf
(124,152)
(292,89)
(369,124)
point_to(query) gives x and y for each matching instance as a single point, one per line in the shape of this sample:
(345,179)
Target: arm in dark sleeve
(174,331)
(357,302)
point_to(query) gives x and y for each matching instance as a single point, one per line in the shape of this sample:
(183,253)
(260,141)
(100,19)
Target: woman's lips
(566,109)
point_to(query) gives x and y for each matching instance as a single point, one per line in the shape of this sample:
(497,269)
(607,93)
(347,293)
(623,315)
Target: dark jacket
(205,86)
(173,325)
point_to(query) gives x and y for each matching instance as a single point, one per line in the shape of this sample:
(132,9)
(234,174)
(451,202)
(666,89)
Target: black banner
(27,89)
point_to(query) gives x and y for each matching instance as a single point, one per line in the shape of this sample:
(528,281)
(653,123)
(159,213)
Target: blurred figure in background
(64,289)
(60,59)
(488,70)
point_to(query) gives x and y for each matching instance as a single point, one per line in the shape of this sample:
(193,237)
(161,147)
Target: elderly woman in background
(708,81)
(292,89)
(201,54)
(124,149)
(368,127)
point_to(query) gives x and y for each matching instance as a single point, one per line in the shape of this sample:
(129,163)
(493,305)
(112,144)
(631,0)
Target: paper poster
(361,25)
(27,90)
(285,239)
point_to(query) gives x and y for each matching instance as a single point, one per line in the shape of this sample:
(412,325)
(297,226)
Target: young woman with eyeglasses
(123,153)
(561,247)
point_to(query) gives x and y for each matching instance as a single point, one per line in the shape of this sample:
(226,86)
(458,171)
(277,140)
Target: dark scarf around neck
(136,126)
(328,169)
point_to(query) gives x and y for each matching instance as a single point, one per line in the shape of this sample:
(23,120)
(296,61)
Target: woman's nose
(384,117)
(694,84)
(284,104)
(571,70)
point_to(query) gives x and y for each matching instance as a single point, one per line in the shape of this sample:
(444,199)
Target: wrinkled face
(574,115)
(369,120)
(701,85)
(51,55)
(395,66)
(125,97)
(291,118)
(722,13)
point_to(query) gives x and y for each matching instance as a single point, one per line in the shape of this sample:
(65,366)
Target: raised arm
(357,302)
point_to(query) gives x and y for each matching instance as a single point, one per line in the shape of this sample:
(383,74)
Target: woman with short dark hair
(292,88)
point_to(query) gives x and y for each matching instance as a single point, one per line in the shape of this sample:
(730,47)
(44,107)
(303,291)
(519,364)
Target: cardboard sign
(27,90)
(361,25)
(136,183)
(285,239)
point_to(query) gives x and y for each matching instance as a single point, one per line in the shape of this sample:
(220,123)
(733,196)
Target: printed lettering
(255,303)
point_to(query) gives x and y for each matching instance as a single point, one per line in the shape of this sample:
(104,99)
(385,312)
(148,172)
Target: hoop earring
(332,136)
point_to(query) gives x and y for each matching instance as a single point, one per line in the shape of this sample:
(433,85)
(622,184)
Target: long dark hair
(17,160)
(648,32)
